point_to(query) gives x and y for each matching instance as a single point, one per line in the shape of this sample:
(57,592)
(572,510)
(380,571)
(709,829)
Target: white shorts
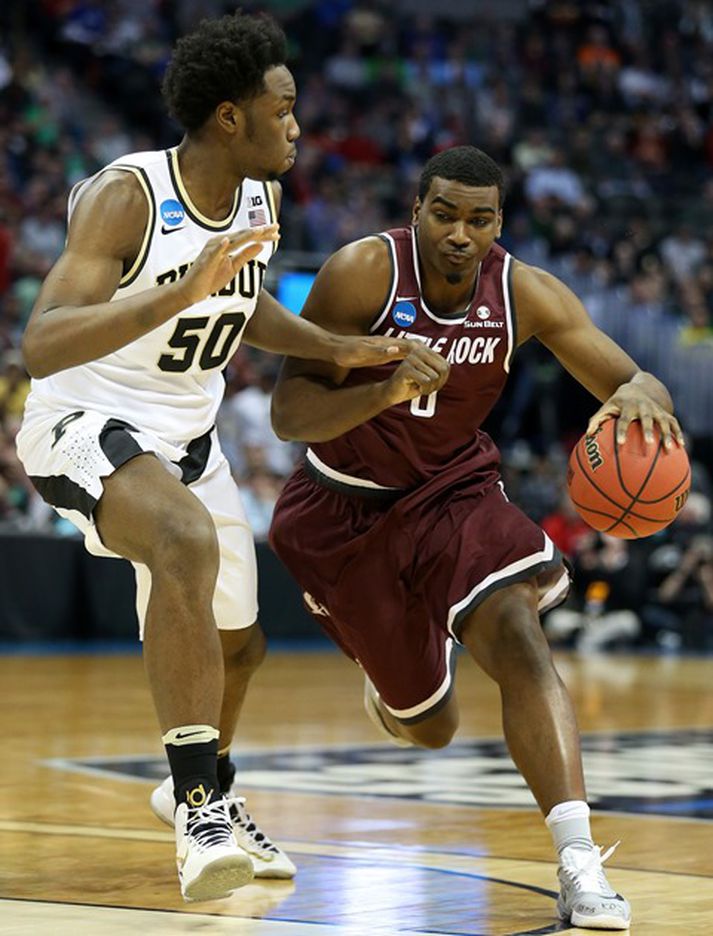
(66,455)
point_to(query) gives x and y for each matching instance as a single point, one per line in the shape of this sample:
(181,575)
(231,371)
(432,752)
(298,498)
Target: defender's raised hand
(223,257)
(368,352)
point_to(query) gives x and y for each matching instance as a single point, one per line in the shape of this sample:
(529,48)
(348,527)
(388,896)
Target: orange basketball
(628,490)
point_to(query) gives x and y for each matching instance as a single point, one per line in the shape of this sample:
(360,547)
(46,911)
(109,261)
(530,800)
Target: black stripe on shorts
(61,491)
(117,443)
(378,495)
(193,464)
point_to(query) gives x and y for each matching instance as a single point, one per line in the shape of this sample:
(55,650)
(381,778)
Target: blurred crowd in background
(601,115)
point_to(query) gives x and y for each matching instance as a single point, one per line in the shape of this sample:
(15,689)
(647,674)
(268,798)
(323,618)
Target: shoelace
(210,824)
(242,819)
(589,876)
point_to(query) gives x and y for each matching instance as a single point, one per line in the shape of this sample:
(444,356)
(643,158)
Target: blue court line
(681,806)
(133,647)
(69,647)
(278,644)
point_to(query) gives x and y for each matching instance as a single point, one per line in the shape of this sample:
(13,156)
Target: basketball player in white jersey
(159,281)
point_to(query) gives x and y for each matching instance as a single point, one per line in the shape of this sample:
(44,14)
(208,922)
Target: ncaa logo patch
(172,212)
(483,312)
(404,314)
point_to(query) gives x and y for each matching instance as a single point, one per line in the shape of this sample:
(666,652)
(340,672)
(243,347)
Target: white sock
(569,825)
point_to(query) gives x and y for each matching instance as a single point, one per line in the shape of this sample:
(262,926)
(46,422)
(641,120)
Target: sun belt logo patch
(172,212)
(404,314)
(483,312)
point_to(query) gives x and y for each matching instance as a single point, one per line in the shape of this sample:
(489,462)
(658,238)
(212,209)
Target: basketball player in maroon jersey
(397,526)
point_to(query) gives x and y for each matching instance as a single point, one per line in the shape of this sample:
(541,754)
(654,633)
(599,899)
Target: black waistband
(376,495)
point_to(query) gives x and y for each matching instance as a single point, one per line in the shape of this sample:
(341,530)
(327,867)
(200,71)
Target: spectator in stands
(683,253)
(565,527)
(555,182)
(259,490)
(608,583)
(605,132)
(244,422)
(14,387)
(679,607)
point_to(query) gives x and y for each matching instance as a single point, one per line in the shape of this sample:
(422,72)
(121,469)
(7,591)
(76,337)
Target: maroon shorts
(392,582)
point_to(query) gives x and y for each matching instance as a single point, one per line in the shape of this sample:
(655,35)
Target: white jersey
(170,381)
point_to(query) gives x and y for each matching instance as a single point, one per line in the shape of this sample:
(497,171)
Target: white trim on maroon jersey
(520,565)
(394,280)
(508,311)
(432,700)
(342,478)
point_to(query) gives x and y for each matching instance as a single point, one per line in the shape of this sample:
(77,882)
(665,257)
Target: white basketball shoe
(268,861)
(210,863)
(371,707)
(586,898)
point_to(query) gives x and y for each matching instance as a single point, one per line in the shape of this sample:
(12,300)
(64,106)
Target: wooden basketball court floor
(387,841)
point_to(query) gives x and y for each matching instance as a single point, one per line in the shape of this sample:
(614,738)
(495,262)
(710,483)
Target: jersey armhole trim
(393,260)
(73,194)
(510,320)
(137,266)
(272,207)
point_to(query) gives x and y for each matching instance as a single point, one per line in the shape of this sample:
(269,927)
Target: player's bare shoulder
(355,280)
(109,215)
(542,302)
(370,253)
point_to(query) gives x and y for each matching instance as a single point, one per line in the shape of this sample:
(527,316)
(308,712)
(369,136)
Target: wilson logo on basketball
(680,500)
(594,456)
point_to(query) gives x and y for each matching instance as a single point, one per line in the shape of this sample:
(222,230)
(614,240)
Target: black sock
(194,764)
(226,772)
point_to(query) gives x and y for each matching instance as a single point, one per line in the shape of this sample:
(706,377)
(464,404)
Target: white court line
(406,855)
(28,918)
(376,854)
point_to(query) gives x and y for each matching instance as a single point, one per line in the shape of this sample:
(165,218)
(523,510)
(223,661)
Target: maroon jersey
(409,444)
(392,576)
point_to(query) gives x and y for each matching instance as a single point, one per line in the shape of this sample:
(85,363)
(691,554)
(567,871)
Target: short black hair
(466,164)
(223,59)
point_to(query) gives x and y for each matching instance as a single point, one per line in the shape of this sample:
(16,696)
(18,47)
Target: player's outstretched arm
(309,403)
(274,328)
(549,311)
(74,322)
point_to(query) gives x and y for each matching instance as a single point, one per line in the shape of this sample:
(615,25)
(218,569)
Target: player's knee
(509,643)
(435,733)
(244,655)
(522,644)
(186,544)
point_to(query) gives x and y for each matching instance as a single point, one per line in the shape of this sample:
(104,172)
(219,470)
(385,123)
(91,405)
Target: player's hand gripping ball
(629,490)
